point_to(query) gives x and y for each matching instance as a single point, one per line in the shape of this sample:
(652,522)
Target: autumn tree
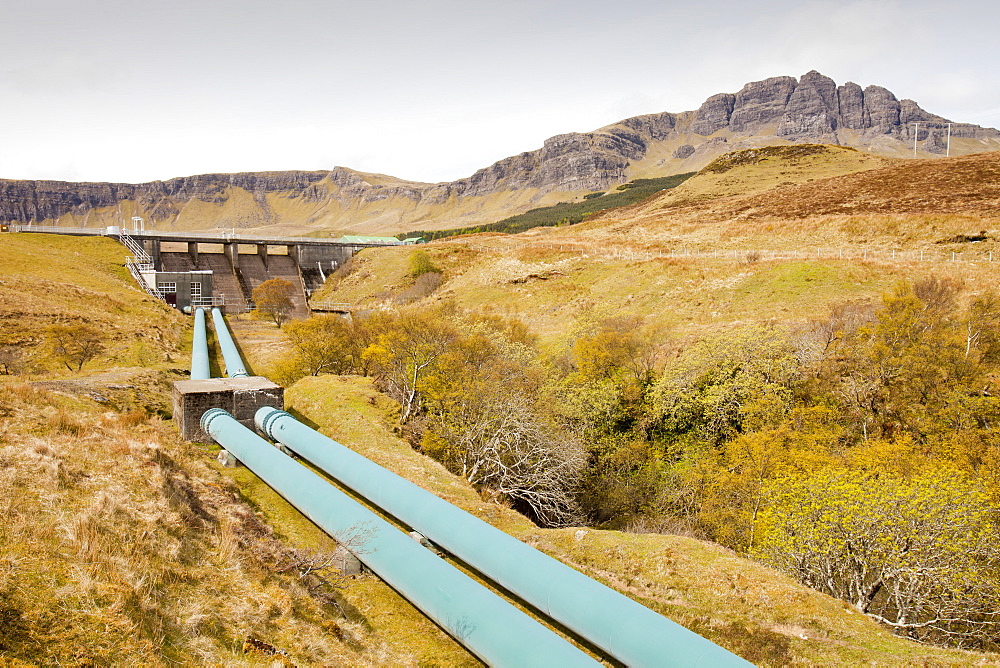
(404,352)
(727,384)
(819,341)
(324,343)
(721,491)
(605,377)
(484,424)
(601,395)
(75,345)
(922,356)
(920,553)
(273,299)
(420,263)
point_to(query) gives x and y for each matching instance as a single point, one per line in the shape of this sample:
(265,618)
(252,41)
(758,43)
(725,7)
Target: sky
(431,90)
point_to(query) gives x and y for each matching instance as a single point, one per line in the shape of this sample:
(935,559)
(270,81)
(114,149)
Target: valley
(798,326)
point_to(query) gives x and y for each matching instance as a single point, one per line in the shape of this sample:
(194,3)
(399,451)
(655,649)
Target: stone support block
(241,397)
(228,459)
(345,562)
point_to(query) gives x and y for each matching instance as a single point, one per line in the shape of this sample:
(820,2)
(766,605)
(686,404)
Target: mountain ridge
(778,110)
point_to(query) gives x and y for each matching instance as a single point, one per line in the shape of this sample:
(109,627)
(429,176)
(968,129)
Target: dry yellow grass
(693,264)
(768,168)
(121,545)
(51,279)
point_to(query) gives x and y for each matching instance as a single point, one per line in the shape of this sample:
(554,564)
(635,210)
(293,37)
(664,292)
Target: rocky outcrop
(352,187)
(814,109)
(853,114)
(760,103)
(571,162)
(683,151)
(781,109)
(714,114)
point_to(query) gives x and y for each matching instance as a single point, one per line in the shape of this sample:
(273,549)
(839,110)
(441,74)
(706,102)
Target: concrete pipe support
(488,626)
(626,630)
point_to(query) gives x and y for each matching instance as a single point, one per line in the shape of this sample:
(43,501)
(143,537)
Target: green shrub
(420,264)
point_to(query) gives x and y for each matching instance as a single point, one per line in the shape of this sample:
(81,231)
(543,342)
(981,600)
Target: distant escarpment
(780,110)
(35,201)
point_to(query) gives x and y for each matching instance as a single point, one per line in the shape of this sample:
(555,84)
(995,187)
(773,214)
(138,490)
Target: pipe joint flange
(265,417)
(211,414)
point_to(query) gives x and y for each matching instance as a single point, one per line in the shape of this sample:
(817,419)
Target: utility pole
(916,131)
(947,152)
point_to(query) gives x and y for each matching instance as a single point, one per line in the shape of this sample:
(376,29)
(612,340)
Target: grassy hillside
(905,205)
(700,257)
(560,286)
(53,279)
(120,544)
(744,173)
(744,240)
(566,213)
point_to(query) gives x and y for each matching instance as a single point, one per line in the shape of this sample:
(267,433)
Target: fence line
(750,255)
(745,255)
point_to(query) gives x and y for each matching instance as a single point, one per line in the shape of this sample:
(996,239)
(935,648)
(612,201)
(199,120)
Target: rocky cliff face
(811,109)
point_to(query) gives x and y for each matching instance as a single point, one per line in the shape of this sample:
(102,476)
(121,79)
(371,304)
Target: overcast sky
(137,90)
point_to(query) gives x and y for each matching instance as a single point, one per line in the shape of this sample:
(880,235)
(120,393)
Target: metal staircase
(140,264)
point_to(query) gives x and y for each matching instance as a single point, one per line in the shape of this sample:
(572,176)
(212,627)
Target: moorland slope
(757,236)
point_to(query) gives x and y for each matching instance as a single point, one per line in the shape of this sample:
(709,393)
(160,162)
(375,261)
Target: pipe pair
(626,630)
(235,367)
(490,627)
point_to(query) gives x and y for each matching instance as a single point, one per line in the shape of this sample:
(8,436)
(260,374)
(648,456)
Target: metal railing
(58,229)
(230,304)
(211,301)
(330,306)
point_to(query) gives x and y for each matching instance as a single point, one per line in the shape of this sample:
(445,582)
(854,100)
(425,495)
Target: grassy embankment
(120,543)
